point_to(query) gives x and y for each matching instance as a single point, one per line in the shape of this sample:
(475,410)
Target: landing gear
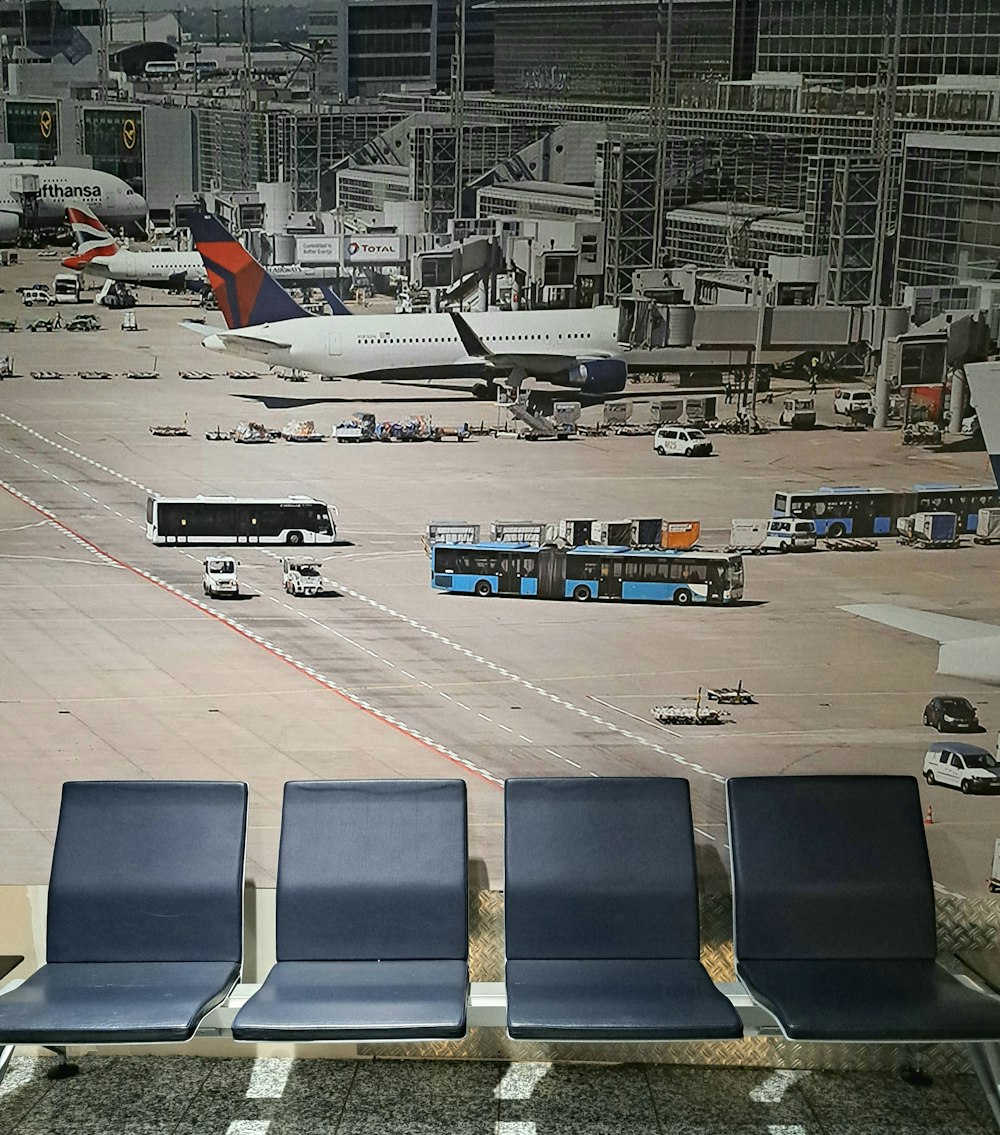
(486,391)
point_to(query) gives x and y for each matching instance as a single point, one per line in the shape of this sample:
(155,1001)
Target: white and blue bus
(588,572)
(850,510)
(237,520)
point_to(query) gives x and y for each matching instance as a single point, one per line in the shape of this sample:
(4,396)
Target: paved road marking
(270,647)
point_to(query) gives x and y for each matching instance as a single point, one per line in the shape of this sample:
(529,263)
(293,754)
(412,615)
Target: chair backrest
(829,867)
(373,869)
(600,868)
(148,871)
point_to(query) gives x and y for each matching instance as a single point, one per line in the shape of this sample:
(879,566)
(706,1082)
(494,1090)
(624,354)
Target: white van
(853,402)
(679,439)
(780,534)
(965,767)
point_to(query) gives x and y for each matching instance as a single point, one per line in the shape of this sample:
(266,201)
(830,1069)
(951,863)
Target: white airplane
(967,648)
(575,348)
(99,253)
(37,196)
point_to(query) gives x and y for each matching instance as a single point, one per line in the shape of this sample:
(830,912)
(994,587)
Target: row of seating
(832,890)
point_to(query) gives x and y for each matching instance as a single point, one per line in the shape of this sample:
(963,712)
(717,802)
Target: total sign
(373,250)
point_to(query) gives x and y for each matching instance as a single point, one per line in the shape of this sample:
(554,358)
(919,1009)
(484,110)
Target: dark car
(948,714)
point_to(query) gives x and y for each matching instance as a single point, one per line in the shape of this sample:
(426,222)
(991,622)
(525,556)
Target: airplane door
(333,344)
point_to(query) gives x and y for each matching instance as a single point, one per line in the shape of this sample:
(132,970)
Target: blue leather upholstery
(833,906)
(372,914)
(145,914)
(357,1001)
(601,908)
(113,1002)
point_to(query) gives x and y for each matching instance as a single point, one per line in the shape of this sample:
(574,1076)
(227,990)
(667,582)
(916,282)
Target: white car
(37,295)
(965,767)
(853,402)
(677,439)
(219,578)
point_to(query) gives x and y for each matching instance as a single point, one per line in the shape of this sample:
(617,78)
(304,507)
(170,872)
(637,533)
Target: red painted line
(243,634)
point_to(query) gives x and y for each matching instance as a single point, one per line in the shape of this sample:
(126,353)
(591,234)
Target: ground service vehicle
(850,510)
(32,296)
(83,323)
(853,402)
(677,439)
(948,713)
(929,530)
(301,577)
(236,520)
(591,572)
(798,413)
(780,534)
(994,880)
(965,767)
(219,578)
(66,288)
(988,526)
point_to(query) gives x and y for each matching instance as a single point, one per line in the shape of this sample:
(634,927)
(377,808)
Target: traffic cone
(929,818)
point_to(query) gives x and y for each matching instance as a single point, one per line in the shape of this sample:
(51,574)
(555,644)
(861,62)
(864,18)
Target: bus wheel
(294,537)
(835,531)
(483,588)
(581,594)
(683,596)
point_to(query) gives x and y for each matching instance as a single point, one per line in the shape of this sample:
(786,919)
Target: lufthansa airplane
(574,348)
(37,196)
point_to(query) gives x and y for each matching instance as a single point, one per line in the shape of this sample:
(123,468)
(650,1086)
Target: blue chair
(601,908)
(372,915)
(833,906)
(145,915)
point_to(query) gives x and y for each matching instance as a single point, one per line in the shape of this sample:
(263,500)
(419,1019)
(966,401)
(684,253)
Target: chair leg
(5,1054)
(913,1073)
(64,1070)
(985,1059)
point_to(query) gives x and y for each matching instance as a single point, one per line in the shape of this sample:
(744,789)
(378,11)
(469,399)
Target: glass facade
(950,210)
(113,140)
(33,130)
(605,50)
(842,39)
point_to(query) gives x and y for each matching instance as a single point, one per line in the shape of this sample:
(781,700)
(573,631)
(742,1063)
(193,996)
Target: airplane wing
(968,649)
(538,364)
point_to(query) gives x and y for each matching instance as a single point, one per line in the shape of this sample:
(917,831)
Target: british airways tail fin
(984,387)
(247,296)
(93,241)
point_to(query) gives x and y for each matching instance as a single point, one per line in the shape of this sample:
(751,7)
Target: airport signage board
(373,249)
(317,250)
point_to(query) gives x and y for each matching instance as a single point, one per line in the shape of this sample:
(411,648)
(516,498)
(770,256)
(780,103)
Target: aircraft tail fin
(247,296)
(93,241)
(984,387)
(337,305)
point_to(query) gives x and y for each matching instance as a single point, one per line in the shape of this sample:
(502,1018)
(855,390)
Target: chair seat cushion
(900,1000)
(357,1000)
(594,999)
(113,1002)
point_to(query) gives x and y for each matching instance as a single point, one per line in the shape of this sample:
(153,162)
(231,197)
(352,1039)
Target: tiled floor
(175,1095)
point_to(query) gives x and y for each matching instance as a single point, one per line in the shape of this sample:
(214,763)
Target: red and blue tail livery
(247,296)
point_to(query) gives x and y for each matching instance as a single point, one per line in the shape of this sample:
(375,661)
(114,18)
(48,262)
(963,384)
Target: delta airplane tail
(93,240)
(984,387)
(247,296)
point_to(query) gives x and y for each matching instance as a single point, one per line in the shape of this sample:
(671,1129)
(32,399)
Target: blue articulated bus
(849,510)
(587,572)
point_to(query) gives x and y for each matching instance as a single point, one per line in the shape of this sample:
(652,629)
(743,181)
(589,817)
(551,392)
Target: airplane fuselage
(426,346)
(149,269)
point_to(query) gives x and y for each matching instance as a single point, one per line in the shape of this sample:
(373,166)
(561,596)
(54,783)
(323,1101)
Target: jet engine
(597,376)
(10,227)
